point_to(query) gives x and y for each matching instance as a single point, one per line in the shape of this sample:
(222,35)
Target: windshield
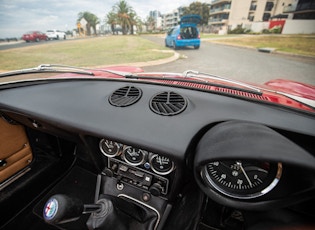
(267,42)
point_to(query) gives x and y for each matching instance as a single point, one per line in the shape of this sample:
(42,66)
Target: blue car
(184,34)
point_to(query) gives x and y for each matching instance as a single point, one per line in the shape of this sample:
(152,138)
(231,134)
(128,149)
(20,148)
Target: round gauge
(243,179)
(109,148)
(161,165)
(134,156)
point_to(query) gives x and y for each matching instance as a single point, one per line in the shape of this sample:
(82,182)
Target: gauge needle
(245,174)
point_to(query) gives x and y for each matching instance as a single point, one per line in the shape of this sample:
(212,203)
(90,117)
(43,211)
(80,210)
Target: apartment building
(172,18)
(301,9)
(157,17)
(228,14)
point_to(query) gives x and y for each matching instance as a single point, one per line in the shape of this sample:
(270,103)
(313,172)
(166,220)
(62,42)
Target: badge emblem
(50,209)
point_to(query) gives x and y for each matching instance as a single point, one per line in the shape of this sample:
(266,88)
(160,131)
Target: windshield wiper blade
(247,88)
(195,74)
(48,68)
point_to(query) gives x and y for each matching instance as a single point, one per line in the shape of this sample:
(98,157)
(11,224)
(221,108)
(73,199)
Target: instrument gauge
(109,148)
(161,165)
(242,179)
(134,156)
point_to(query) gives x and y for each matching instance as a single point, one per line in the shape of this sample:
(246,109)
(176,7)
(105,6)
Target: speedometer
(242,179)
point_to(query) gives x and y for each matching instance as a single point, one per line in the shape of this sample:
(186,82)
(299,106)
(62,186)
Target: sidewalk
(11,42)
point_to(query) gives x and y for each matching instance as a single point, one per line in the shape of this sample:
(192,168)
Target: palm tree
(132,21)
(94,20)
(123,11)
(91,19)
(111,19)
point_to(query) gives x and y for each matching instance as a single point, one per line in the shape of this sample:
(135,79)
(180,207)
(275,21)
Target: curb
(149,63)
(11,43)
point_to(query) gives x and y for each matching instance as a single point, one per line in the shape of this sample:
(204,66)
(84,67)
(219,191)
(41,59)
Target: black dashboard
(146,141)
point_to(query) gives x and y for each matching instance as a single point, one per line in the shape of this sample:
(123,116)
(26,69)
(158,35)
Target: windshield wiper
(48,68)
(195,74)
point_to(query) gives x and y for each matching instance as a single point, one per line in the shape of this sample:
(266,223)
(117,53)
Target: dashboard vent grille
(218,89)
(125,96)
(168,104)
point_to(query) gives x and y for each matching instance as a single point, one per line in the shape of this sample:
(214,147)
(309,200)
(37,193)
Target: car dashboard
(221,161)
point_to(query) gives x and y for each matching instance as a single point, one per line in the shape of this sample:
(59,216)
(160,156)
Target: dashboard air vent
(168,104)
(125,96)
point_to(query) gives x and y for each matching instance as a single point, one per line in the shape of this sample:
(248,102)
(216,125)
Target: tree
(132,21)
(111,19)
(199,8)
(123,11)
(91,19)
(139,24)
(122,14)
(150,23)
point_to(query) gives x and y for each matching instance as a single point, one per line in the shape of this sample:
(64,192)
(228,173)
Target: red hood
(293,87)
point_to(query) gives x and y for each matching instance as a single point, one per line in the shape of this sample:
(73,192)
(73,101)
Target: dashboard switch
(156,189)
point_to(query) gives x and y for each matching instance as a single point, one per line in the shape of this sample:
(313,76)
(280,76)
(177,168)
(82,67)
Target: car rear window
(188,32)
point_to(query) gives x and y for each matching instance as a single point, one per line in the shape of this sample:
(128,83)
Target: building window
(266,17)
(269,6)
(253,7)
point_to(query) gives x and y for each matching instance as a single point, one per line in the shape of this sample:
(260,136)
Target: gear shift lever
(109,212)
(61,209)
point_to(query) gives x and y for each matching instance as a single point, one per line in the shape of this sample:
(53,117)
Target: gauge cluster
(156,163)
(138,167)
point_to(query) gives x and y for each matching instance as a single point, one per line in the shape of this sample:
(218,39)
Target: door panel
(15,150)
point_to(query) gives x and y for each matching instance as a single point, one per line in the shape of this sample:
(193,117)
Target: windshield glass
(257,45)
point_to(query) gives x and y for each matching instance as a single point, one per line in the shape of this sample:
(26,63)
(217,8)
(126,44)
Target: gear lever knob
(61,209)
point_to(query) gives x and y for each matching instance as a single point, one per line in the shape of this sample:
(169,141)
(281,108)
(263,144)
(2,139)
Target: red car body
(34,36)
(282,92)
(119,148)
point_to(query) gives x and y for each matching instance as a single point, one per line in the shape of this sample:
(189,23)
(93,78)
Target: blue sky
(20,16)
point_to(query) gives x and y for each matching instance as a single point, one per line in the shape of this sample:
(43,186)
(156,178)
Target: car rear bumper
(188,42)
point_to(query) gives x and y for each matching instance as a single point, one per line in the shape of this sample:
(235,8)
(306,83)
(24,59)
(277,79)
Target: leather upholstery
(15,150)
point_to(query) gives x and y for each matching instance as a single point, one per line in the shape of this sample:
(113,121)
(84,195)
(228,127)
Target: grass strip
(294,44)
(90,52)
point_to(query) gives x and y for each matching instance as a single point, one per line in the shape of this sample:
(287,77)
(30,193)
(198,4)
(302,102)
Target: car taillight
(179,37)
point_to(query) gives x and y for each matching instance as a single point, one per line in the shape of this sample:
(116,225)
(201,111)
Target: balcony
(304,7)
(289,9)
(224,9)
(215,20)
(215,2)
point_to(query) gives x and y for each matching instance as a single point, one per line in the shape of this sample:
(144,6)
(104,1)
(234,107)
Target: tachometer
(243,179)
(161,165)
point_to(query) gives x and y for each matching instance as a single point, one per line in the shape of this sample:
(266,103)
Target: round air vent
(125,96)
(168,104)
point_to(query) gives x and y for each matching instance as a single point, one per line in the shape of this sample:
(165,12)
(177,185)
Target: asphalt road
(227,61)
(21,43)
(239,63)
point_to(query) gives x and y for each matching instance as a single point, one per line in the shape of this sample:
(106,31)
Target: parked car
(34,36)
(119,148)
(184,34)
(55,34)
